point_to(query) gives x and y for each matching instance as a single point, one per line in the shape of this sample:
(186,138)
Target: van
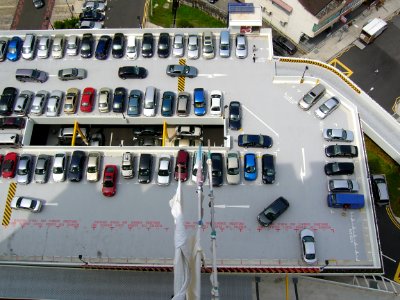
(380,189)
(28,47)
(224,44)
(145,168)
(150,104)
(30,75)
(340,200)
(372,30)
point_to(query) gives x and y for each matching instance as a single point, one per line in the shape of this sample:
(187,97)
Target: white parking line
(389,258)
(303,169)
(260,120)
(51,204)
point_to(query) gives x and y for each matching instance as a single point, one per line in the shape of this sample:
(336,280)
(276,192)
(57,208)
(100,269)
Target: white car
(72,45)
(338,134)
(39,102)
(57,50)
(193,48)
(216,103)
(233,167)
(44,47)
(308,246)
(92,171)
(60,167)
(164,170)
(132,47)
(188,131)
(104,100)
(195,167)
(26,204)
(178,47)
(94,5)
(54,103)
(241,46)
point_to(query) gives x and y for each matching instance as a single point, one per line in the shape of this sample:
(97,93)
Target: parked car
(340,135)
(164,170)
(193,48)
(225,44)
(39,102)
(132,72)
(24,169)
(163,47)
(3,48)
(54,103)
(44,47)
(233,167)
(87,45)
(196,166)
(127,170)
(134,103)
(118,45)
(145,168)
(57,50)
(327,108)
(150,102)
(241,46)
(109,180)
(91,15)
(94,5)
(167,104)
(60,167)
(208,45)
(26,204)
(148,45)
(181,70)
(103,47)
(42,168)
(216,103)
(380,189)
(12,123)
(87,101)
(93,167)
(105,95)
(178,47)
(132,47)
(250,167)
(199,99)
(14,48)
(235,115)
(9,165)
(84,24)
(268,168)
(76,167)
(29,46)
(339,168)
(182,166)
(72,45)
(273,211)
(254,141)
(7,100)
(119,100)
(312,96)
(71,101)
(23,103)
(287,45)
(188,131)
(183,105)
(341,151)
(71,74)
(307,240)
(217,169)
(343,185)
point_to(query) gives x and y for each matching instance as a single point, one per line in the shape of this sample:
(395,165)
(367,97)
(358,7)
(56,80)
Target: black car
(167,105)
(134,103)
(145,168)
(268,168)
(284,43)
(12,123)
(119,100)
(91,15)
(339,168)
(273,211)
(341,151)
(103,47)
(133,72)
(147,130)
(217,169)
(118,45)
(75,171)
(87,45)
(3,48)
(235,115)
(255,141)
(148,45)
(7,101)
(163,48)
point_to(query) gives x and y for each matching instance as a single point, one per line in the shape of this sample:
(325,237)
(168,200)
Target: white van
(150,103)
(28,48)
(132,47)
(372,30)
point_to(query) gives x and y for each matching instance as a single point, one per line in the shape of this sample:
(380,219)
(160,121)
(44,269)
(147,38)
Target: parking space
(129,227)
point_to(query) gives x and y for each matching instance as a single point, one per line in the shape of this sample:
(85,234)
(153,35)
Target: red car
(87,99)
(182,161)
(9,165)
(110,180)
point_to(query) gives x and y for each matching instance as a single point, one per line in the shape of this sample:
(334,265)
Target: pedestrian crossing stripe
(397,275)
(7,209)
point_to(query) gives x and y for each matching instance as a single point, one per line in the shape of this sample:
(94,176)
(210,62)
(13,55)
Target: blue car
(199,102)
(14,48)
(134,101)
(167,106)
(250,167)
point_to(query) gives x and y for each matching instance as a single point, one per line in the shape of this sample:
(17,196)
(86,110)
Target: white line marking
(260,120)
(303,169)
(233,206)
(52,204)
(389,258)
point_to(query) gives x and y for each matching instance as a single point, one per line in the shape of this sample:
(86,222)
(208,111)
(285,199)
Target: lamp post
(69,7)
(48,19)
(80,258)
(302,76)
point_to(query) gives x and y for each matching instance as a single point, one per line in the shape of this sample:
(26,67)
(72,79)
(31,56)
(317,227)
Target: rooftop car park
(77,221)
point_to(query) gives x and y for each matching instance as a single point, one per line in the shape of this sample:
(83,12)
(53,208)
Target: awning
(282,4)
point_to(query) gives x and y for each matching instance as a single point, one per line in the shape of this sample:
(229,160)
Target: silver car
(92,172)
(327,108)
(24,169)
(181,70)
(44,47)
(39,102)
(94,5)
(104,100)
(308,246)
(164,170)
(208,45)
(54,103)
(23,103)
(312,97)
(60,167)
(57,50)
(71,74)
(42,168)
(72,45)
(241,46)
(178,47)
(233,167)
(26,204)
(338,135)
(193,48)
(343,185)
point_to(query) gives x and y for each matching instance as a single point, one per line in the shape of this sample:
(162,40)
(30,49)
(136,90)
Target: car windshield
(39,171)
(308,99)
(74,169)
(199,104)
(126,167)
(163,172)
(131,49)
(233,171)
(92,169)
(144,172)
(216,173)
(58,170)
(178,45)
(234,117)
(270,172)
(108,183)
(23,171)
(241,47)
(117,46)
(56,47)
(192,47)
(133,109)
(43,47)
(324,108)
(149,105)
(250,169)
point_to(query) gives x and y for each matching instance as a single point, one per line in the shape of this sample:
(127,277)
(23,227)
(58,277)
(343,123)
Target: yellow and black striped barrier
(326,66)
(181,79)
(7,210)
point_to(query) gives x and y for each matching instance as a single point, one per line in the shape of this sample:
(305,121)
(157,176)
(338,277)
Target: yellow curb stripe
(7,209)
(341,66)
(397,275)
(392,217)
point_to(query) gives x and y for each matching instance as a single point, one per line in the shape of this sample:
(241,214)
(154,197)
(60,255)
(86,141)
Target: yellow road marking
(397,275)
(181,80)
(341,66)
(7,210)
(396,105)
(392,218)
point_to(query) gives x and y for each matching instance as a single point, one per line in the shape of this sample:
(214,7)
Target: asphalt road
(124,13)
(27,17)
(376,68)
